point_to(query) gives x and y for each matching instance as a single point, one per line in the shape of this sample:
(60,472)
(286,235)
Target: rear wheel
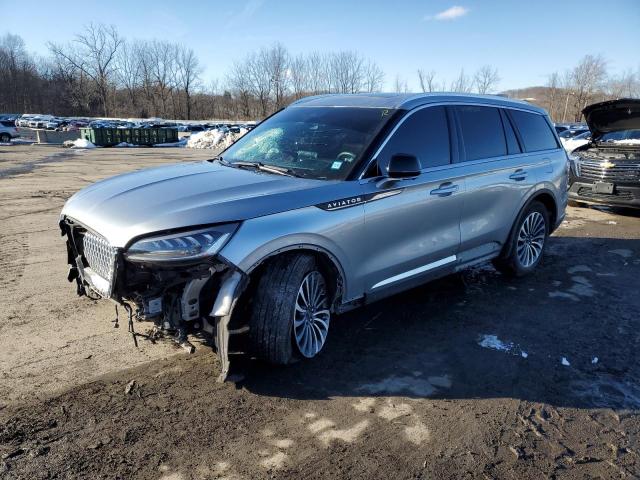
(290,316)
(526,242)
(5,137)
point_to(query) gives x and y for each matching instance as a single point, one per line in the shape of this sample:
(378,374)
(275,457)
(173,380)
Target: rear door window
(534,130)
(424,134)
(481,131)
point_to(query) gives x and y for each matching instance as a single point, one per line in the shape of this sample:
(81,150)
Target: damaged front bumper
(175,297)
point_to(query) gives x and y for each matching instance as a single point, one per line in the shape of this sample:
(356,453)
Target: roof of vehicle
(408,101)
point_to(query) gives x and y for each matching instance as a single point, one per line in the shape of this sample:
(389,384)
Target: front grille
(99,255)
(623,172)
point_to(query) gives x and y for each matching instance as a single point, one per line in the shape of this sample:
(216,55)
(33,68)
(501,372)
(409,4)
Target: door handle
(444,190)
(518,175)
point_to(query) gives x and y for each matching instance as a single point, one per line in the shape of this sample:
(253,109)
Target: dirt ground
(472,376)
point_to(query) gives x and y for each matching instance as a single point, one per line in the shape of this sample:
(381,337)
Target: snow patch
(565,362)
(494,343)
(82,143)
(214,139)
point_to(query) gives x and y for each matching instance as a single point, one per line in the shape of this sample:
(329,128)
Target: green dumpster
(108,137)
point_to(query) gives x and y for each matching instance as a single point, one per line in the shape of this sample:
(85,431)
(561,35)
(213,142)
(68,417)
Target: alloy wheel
(311,315)
(531,239)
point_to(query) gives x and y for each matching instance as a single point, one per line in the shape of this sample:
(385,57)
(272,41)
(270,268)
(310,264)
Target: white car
(574,142)
(8,131)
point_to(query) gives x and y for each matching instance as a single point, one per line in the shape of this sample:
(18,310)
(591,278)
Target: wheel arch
(544,196)
(329,264)
(547,198)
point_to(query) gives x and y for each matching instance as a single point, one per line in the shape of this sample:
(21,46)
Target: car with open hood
(606,170)
(333,202)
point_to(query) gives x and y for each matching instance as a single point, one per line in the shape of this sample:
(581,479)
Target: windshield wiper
(264,168)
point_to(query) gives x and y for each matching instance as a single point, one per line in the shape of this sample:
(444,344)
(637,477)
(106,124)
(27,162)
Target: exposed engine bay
(597,151)
(178,299)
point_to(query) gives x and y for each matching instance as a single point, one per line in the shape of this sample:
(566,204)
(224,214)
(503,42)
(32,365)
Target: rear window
(424,134)
(534,130)
(482,132)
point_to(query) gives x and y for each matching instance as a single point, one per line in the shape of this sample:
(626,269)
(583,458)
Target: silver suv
(331,203)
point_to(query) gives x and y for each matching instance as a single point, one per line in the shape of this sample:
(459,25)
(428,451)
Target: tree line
(101,73)
(588,82)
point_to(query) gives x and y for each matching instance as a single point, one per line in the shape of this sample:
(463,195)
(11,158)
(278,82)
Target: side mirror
(403,165)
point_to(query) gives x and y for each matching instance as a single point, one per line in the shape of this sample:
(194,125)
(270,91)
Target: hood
(613,115)
(189,194)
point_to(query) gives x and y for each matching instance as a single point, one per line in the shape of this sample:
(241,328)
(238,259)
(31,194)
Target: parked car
(334,202)
(56,124)
(23,121)
(606,170)
(563,127)
(39,122)
(8,131)
(572,132)
(74,126)
(577,141)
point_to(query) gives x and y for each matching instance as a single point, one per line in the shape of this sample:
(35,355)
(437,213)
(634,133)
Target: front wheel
(526,242)
(5,138)
(290,315)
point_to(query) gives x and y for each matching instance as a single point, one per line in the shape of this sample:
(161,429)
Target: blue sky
(525,41)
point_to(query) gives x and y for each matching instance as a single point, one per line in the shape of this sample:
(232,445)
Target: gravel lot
(472,376)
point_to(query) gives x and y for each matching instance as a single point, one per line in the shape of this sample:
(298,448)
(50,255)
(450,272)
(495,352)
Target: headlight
(183,246)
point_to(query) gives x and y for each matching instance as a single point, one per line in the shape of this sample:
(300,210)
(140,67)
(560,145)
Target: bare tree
(188,73)
(373,77)
(277,62)
(298,74)
(586,78)
(486,79)
(93,53)
(347,72)
(553,94)
(163,71)
(400,85)
(318,68)
(17,73)
(238,80)
(627,84)
(462,84)
(427,80)
(256,69)
(128,71)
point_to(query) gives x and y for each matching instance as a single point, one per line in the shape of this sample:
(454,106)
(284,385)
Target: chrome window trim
(444,167)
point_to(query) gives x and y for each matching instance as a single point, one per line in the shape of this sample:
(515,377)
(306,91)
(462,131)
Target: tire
(575,204)
(5,137)
(281,330)
(528,238)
